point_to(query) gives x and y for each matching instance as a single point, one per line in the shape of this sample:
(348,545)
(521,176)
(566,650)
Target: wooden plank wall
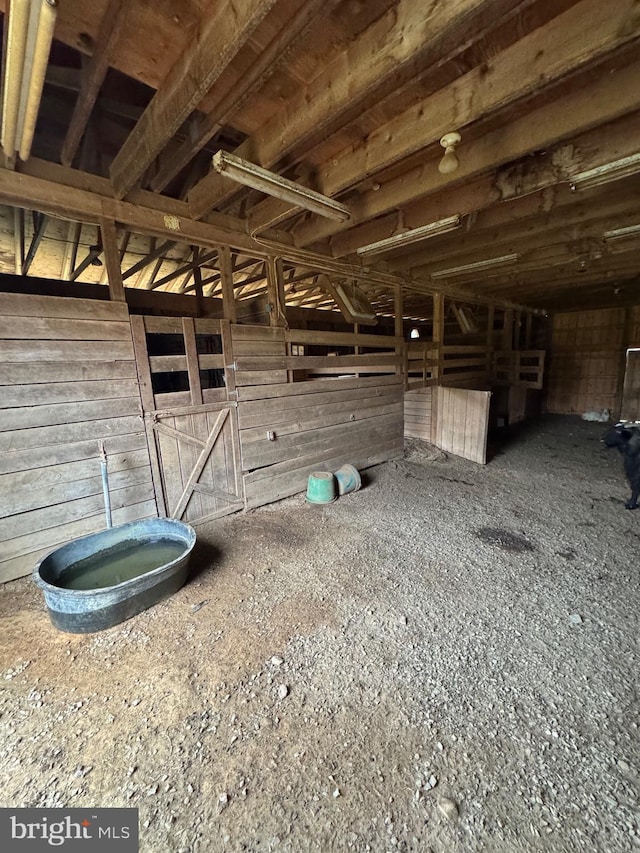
(586,361)
(418,413)
(462,422)
(289,429)
(68,379)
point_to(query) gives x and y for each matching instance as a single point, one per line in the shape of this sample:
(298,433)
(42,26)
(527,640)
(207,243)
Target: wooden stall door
(630,409)
(192,431)
(462,422)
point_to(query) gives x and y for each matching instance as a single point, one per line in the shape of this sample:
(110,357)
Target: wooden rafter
(112,259)
(186,268)
(203,129)
(93,76)
(222,34)
(40,221)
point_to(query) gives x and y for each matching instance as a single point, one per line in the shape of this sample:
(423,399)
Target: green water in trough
(125,561)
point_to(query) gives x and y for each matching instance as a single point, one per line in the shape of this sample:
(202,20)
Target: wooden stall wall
(418,413)
(68,380)
(349,410)
(586,361)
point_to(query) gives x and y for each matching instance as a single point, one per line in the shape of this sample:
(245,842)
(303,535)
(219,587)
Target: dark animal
(627,439)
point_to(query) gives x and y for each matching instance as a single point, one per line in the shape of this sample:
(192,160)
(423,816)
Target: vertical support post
(490,321)
(438,334)
(275,288)
(18,238)
(622,366)
(528,327)
(398,330)
(438,339)
(112,258)
(225,264)
(517,330)
(507,343)
(197,282)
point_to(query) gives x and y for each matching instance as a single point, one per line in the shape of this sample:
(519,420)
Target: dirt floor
(444,661)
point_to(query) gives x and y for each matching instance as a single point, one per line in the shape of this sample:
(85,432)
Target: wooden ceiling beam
(222,33)
(392,51)
(574,40)
(79,204)
(606,97)
(93,76)
(204,128)
(523,179)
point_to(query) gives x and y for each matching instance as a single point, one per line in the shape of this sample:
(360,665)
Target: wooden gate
(188,397)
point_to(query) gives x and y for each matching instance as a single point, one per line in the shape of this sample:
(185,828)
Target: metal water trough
(81,611)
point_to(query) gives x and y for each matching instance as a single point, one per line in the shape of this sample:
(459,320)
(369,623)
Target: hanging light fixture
(449,162)
(30,31)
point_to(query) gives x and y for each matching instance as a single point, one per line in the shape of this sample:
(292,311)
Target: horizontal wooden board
(248,348)
(37,328)
(256,333)
(263,453)
(21,351)
(342,371)
(25,563)
(260,377)
(27,305)
(25,439)
(37,523)
(53,454)
(318,386)
(68,472)
(172,398)
(304,336)
(68,392)
(317,418)
(53,493)
(66,413)
(256,412)
(376,431)
(305,362)
(65,371)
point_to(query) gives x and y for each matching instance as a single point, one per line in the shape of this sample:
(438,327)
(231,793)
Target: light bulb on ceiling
(449,162)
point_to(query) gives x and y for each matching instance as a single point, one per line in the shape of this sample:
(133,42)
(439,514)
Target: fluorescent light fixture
(600,175)
(272,184)
(30,31)
(478,265)
(442,226)
(621,233)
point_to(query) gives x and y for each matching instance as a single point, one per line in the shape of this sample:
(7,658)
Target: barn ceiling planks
(348,98)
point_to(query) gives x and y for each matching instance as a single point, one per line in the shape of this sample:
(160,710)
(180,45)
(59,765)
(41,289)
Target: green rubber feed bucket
(348,479)
(321,488)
